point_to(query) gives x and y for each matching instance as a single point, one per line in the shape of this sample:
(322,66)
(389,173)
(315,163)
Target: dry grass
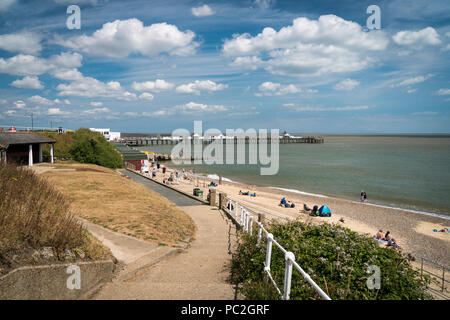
(34,215)
(107,198)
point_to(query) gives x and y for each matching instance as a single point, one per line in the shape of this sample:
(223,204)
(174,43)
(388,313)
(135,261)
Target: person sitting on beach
(171,178)
(154,173)
(315,211)
(380,235)
(253,194)
(306,208)
(387,237)
(212,184)
(392,244)
(164,169)
(292,205)
(283,202)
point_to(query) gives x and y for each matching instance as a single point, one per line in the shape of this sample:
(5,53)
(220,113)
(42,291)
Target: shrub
(92,147)
(33,214)
(336,258)
(61,147)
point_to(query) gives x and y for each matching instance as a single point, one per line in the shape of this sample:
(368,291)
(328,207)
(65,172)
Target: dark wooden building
(23,148)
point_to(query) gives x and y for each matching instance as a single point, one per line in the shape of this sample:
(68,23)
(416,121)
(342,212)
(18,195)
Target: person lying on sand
(442,230)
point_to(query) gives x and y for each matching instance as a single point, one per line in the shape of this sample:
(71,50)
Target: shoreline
(296,191)
(412,230)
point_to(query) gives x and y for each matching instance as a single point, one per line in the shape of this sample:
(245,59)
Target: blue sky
(154,66)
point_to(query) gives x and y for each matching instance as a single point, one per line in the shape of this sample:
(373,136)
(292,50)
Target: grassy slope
(105,197)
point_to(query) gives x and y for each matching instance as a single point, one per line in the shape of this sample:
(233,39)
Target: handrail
(245,219)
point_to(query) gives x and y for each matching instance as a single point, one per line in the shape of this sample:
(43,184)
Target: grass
(105,197)
(34,215)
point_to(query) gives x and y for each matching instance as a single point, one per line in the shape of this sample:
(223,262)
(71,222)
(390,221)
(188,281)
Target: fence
(246,220)
(442,290)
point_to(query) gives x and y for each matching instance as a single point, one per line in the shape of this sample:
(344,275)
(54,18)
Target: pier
(153,141)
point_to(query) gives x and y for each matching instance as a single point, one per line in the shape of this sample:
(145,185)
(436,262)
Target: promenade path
(196,273)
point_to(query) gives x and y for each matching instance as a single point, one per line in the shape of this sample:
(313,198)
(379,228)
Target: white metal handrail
(245,219)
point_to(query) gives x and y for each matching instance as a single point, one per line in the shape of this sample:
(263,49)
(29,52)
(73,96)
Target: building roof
(7,139)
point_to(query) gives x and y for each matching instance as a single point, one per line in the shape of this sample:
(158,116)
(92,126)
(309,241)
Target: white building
(107,133)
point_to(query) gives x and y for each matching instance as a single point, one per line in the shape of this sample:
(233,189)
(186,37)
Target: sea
(410,172)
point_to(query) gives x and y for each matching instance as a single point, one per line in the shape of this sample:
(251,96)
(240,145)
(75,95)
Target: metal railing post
(259,232)
(268,252)
(290,258)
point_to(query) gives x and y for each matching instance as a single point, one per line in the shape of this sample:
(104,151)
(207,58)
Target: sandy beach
(412,231)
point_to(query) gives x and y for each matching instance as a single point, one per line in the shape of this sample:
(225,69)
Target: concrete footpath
(199,272)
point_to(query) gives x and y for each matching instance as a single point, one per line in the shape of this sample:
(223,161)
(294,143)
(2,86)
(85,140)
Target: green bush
(61,147)
(92,147)
(336,258)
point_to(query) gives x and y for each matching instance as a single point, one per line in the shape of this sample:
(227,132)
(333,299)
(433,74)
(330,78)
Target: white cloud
(57,112)
(28,83)
(308,47)
(3,101)
(90,87)
(347,84)
(193,107)
(323,109)
(276,89)
(23,65)
(411,81)
(202,11)
(443,92)
(417,39)
(19,104)
(67,74)
(96,111)
(5,4)
(25,42)
(200,85)
(38,100)
(159,113)
(152,86)
(10,112)
(120,38)
(28,65)
(146,96)
(96,104)
(411,90)
(253,62)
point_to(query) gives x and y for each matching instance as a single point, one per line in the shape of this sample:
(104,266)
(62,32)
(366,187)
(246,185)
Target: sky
(294,65)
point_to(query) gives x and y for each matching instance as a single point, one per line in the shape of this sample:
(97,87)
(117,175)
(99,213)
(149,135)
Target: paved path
(199,272)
